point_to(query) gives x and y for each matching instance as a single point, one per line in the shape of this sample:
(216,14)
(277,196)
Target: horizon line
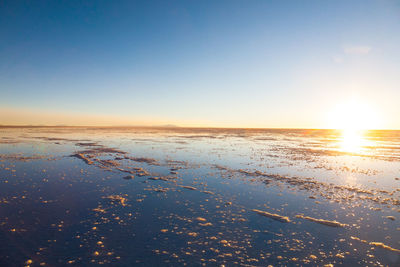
(181,127)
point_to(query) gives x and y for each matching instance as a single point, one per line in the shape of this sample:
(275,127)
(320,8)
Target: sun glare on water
(352,141)
(353,118)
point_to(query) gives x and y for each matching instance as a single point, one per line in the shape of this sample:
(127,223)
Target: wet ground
(212,197)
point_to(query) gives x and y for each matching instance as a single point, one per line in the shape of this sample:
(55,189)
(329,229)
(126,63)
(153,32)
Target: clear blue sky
(217,63)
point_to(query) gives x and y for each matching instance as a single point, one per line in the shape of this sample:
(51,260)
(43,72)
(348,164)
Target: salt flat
(173,196)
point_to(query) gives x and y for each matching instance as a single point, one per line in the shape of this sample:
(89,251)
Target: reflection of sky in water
(52,208)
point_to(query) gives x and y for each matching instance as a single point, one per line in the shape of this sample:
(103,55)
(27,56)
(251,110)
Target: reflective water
(176,196)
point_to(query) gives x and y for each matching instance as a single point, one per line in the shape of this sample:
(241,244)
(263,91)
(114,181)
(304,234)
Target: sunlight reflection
(352,141)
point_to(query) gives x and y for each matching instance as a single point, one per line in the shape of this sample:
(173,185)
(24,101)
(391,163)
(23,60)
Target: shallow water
(176,196)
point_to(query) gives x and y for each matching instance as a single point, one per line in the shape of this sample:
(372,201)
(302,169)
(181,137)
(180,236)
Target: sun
(353,117)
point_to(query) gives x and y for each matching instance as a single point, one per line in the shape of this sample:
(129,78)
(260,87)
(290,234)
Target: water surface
(212,197)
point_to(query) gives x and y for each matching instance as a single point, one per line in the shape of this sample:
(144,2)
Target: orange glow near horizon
(351,117)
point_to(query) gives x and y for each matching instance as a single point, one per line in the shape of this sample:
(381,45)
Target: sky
(269,64)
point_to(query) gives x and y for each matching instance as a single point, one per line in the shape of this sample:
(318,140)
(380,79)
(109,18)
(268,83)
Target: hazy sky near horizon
(198,63)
